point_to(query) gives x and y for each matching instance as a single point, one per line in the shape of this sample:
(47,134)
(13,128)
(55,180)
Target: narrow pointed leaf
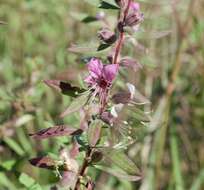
(94,132)
(121,160)
(89,19)
(107,5)
(118,174)
(76,104)
(60,130)
(103,47)
(64,87)
(48,163)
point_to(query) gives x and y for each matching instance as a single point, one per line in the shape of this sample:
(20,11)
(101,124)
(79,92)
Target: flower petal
(89,80)
(95,67)
(110,71)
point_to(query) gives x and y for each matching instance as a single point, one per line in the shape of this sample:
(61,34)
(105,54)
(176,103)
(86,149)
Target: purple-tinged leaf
(76,104)
(60,130)
(64,87)
(90,185)
(94,132)
(130,63)
(74,151)
(119,174)
(69,179)
(107,36)
(48,163)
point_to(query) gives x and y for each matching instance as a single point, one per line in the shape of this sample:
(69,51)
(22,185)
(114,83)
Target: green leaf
(118,174)
(107,5)
(89,19)
(121,160)
(103,46)
(26,180)
(76,104)
(6,182)
(94,132)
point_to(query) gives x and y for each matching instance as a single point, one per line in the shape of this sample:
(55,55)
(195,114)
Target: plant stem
(121,35)
(83,169)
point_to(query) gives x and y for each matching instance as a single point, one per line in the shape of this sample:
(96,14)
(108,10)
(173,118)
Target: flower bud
(134,18)
(107,36)
(100,15)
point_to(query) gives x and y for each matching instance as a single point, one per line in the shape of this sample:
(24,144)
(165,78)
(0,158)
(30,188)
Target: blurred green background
(169,45)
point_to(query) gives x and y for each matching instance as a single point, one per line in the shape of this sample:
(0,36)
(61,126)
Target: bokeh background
(34,43)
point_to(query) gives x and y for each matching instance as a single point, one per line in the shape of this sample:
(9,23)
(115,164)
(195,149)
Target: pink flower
(134,6)
(100,78)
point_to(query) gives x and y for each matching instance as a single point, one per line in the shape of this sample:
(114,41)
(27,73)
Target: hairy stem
(121,35)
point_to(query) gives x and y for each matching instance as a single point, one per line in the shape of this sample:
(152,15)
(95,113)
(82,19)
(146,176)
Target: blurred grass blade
(26,180)
(199,181)
(179,185)
(6,182)
(14,146)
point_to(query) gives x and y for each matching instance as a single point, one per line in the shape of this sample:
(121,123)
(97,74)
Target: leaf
(64,87)
(60,130)
(89,19)
(76,104)
(118,174)
(94,132)
(26,180)
(121,160)
(48,163)
(107,5)
(103,46)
